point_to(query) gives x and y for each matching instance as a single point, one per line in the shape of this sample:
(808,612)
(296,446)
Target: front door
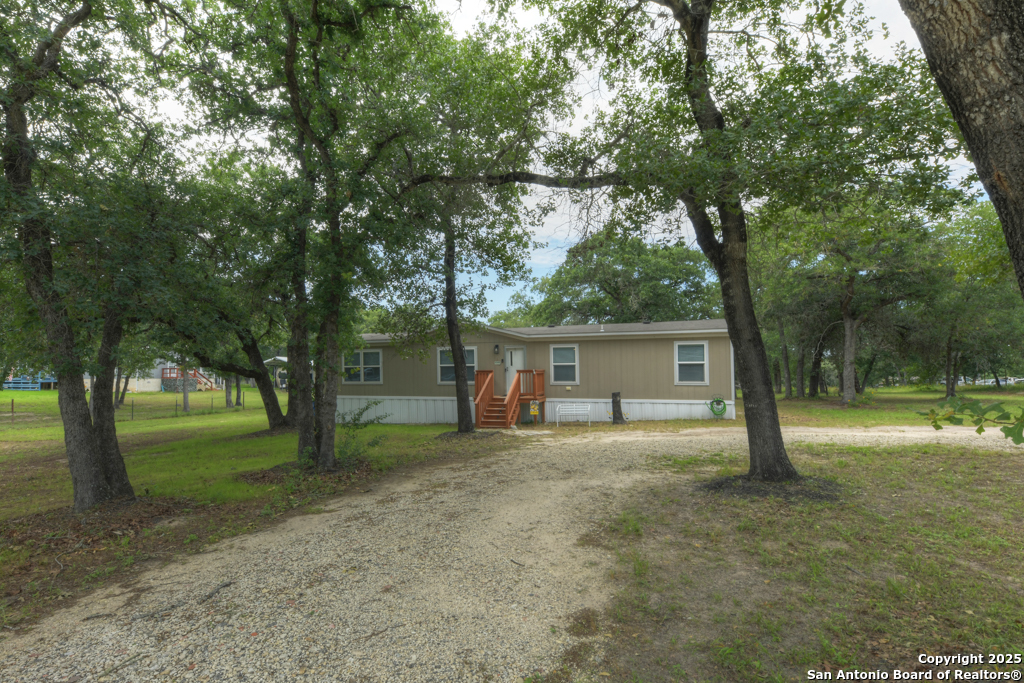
(515,359)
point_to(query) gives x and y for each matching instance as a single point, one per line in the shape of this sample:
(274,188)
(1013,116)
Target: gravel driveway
(454,572)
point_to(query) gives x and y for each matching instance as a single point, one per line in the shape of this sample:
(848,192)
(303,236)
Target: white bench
(579,410)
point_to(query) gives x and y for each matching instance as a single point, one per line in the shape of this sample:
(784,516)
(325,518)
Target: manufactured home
(663,371)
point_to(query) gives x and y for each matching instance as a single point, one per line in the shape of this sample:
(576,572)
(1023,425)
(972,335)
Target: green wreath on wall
(717,406)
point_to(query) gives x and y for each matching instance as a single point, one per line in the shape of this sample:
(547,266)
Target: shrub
(351,451)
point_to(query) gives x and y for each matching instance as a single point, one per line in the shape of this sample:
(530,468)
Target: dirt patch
(805,488)
(463,436)
(279,474)
(49,558)
(264,433)
(584,623)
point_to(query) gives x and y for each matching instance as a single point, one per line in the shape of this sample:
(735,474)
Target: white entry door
(515,359)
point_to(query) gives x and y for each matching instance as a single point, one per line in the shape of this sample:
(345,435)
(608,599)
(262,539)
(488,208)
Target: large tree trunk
(849,381)
(300,386)
(451,319)
(335,288)
(867,373)
(787,383)
(950,368)
(104,424)
(776,376)
(800,373)
(325,390)
(327,386)
(768,458)
(999,385)
(94,477)
(728,256)
(238,390)
(90,471)
(227,392)
(117,386)
(264,382)
(815,381)
(318,392)
(975,49)
(328,339)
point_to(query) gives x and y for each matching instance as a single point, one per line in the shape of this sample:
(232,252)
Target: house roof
(617,329)
(607,330)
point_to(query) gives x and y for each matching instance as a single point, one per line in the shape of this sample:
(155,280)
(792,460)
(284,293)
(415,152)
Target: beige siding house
(666,370)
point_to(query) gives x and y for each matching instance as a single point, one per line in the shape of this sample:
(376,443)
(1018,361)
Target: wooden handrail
(532,384)
(512,402)
(484,393)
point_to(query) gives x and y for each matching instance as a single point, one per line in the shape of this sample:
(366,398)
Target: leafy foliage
(956,411)
(619,278)
(350,451)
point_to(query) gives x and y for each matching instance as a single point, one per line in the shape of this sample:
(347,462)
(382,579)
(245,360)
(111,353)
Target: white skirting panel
(636,409)
(405,409)
(428,410)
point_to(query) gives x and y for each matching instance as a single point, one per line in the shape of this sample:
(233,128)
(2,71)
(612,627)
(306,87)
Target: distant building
(30,382)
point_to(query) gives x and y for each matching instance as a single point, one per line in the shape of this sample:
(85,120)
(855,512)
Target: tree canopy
(333,159)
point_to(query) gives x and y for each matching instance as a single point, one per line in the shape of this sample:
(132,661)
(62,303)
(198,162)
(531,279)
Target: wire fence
(28,407)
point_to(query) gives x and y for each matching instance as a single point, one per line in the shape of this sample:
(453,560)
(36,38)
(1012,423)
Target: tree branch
(48,50)
(495,179)
(704,229)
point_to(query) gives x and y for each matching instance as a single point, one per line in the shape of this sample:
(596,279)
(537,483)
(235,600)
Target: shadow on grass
(814,489)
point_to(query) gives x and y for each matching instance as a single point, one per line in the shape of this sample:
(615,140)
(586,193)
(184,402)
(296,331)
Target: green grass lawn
(36,415)
(888,406)
(896,552)
(199,456)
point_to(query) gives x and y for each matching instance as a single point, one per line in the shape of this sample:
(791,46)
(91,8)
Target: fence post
(133,410)
(175,407)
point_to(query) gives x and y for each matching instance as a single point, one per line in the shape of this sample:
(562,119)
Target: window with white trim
(363,367)
(446,365)
(565,364)
(691,361)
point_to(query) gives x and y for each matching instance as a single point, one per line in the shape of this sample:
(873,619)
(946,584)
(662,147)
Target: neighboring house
(664,371)
(166,376)
(30,382)
(173,378)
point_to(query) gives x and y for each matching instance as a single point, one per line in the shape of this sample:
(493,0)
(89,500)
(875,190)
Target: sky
(559,232)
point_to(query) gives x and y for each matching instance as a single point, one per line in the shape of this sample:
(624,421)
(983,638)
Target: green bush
(351,451)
